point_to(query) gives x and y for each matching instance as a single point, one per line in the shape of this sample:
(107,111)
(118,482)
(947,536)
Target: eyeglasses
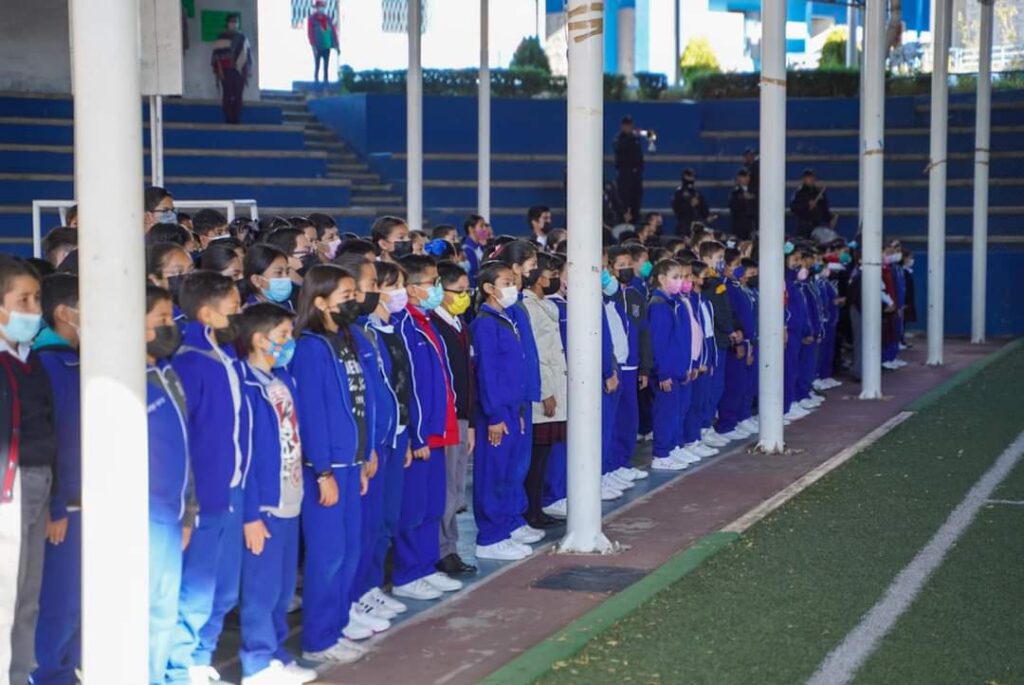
(455,292)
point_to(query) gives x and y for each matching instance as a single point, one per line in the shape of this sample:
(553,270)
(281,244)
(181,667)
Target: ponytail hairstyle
(516,253)
(488,274)
(662,268)
(320,281)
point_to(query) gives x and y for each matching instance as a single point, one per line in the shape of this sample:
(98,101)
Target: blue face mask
(720,266)
(788,248)
(646,269)
(738,272)
(845,258)
(435,296)
(609,285)
(282,352)
(279,290)
(21,327)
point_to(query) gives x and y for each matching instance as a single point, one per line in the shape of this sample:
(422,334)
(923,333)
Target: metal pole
(585,150)
(851,36)
(108,180)
(677,73)
(156,139)
(771,200)
(483,171)
(982,134)
(872,184)
(414,127)
(937,181)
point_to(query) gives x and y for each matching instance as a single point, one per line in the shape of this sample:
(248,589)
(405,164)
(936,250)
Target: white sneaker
(613,483)
(558,509)
(667,464)
(356,630)
(899,363)
(521,546)
(686,456)
(889,365)
(274,674)
(375,609)
(818,384)
(295,603)
(500,551)
(835,382)
(808,405)
(362,614)
(609,493)
(527,535)
(625,473)
(639,474)
(701,450)
(715,440)
(353,646)
(339,653)
(796,412)
(750,425)
(649,437)
(417,589)
(444,582)
(724,438)
(200,675)
(816,397)
(300,674)
(377,597)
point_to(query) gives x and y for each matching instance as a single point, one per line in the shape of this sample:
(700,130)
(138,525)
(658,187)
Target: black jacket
(743,211)
(686,210)
(725,320)
(629,154)
(809,218)
(458,344)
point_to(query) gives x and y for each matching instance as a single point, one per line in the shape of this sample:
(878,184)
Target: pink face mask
(802,274)
(674,285)
(686,287)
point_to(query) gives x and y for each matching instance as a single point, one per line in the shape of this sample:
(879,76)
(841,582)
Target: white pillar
(772,207)
(115,480)
(851,36)
(937,181)
(585,152)
(156,139)
(982,131)
(414,125)
(872,185)
(483,171)
(677,72)
(626,46)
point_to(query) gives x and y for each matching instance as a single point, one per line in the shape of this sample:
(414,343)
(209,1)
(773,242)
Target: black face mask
(626,275)
(174,286)
(401,248)
(530,277)
(167,340)
(554,286)
(367,306)
(243,289)
(228,334)
(346,314)
(752,282)
(308,262)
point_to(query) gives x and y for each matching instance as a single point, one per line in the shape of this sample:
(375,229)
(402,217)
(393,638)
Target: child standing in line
(555,503)
(701,413)
(614,353)
(798,333)
(500,369)
(58,633)
(727,333)
(172,505)
(273,498)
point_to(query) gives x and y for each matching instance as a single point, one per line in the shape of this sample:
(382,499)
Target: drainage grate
(591,579)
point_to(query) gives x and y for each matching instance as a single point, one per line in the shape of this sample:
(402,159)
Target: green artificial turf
(768,608)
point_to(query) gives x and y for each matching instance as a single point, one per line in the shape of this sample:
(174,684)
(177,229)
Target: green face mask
(646,269)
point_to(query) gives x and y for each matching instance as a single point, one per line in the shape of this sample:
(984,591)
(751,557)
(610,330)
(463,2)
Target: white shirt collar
(453,321)
(21,351)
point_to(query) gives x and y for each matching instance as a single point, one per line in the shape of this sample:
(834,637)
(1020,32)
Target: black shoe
(544,521)
(453,565)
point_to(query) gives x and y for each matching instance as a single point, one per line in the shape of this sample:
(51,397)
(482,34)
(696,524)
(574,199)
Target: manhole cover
(591,579)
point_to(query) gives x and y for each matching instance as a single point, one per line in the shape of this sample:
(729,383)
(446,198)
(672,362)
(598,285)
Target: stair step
(376,200)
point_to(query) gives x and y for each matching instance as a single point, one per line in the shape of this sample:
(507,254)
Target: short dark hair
(11,268)
(415,265)
(710,247)
(167,233)
(356,246)
(470,221)
(43,267)
(382,227)
(322,222)
(285,239)
(261,317)
(450,273)
(533,213)
(154,294)
(60,237)
(206,220)
(154,195)
(202,288)
(216,257)
(616,251)
(388,273)
(157,254)
(58,289)
(515,252)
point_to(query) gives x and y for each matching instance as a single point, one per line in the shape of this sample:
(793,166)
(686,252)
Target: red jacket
(321,20)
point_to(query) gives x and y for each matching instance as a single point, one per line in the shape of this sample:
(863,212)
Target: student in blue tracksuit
(501,422)
(740,359)
(336,425)
(671,340)
(521,257)
(712,253)
(433,426)
(702,411)
(642,268)
(266,274)
(809,353)
(273,495)
(749,281)
(478,234)
(172,505)
(799,334)
(218,422)
(393,451)
(829,286)
(614,353)
(58,630)
(555,503)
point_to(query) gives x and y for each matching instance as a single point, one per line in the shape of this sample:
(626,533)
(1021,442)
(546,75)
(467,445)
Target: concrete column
(937,181)
(627,39)
(772,201)
(483,172)
(872,185)
(982,135)
(156,139)
(585,151)
(115,479)
(414,125)
(677,72)
(851,36)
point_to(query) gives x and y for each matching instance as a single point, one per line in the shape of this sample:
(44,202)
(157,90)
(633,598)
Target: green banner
(214,22)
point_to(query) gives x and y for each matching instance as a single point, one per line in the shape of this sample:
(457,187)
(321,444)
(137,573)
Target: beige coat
(554,379)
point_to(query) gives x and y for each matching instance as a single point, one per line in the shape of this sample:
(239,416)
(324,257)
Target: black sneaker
(453,565)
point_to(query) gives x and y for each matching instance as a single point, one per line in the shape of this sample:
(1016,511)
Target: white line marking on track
(1011,502)
(840,666)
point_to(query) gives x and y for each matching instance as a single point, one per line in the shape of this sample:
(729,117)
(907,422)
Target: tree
(833,52)
(698,58)
(530,54)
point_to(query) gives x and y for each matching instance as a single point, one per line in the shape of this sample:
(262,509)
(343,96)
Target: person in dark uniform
(629,163)
(743,206)
(753,164)
(689,205)
(232,63)
(810,206)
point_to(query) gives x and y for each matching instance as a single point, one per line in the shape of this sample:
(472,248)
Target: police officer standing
(810,206)
(689,205)
(743,206)
(629,163)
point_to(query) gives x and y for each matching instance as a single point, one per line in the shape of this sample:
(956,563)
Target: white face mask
(508,296)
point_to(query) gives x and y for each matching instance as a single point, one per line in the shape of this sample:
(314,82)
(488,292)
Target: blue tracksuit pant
(555,479)
(210,577)
(522,464)
(718,380)
(268,583)
(790,371)
(165,561)
(627,420)
(418,547)
(700,402)
(496,482)
(666,412)
(609,409)
(808,366)
(737,382)
(393,465)
(331,535)
(646,404)
(372,530)
(59,630)
(747,409)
